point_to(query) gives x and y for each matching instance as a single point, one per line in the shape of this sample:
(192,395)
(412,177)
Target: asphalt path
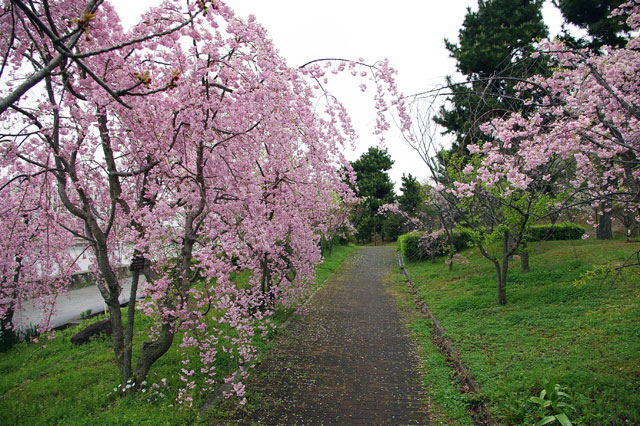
(349,360)
(70,306)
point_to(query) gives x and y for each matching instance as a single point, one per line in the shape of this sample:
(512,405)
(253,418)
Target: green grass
(54,382)
(447,406)
(584,335)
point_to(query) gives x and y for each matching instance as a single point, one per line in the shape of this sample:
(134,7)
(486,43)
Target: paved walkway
(71,305)
(348,361)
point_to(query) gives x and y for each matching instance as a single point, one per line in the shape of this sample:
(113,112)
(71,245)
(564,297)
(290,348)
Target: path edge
(479,410)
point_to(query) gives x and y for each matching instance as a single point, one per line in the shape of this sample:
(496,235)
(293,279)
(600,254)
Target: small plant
(152,394)
(29,334)
(85,314)
(155,392)
(551,397)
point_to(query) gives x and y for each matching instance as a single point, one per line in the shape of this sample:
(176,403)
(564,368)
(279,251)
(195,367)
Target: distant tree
(375,188)
(412,195)
(593,16)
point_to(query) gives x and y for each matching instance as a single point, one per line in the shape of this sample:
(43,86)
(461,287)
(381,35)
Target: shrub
(415,246)
(462,240)
(561,231)
(410,246)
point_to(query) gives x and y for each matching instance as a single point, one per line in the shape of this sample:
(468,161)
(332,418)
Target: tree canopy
(412,195)
(374,188)
(495,43)
(186,143)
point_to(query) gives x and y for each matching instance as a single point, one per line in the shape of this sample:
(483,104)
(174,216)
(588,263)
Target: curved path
(347,361)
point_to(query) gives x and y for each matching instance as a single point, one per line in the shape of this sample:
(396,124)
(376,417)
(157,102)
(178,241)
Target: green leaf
(536,400)
(546,421)
(563,419)
(564,404)
(550,390)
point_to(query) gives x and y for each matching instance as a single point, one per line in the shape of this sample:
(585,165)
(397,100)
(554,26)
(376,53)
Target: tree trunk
(128,335)
(502,270)
(100,327)
(604,231)
(117,334)
(151,351)
(524,258)
(7,334)
(111,295)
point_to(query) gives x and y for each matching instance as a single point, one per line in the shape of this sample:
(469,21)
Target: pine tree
(593,15)
(495,43)
(375,188)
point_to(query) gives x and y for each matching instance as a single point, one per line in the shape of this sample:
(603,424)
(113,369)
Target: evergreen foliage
(593,15)
(495,46)
(375,188)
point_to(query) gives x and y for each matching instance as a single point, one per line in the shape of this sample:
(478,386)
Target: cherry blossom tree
(187,142)
(587,114)
(584,125)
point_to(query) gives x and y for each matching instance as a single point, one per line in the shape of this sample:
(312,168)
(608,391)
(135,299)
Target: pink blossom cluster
(433,242)
(585,121)
(413,223)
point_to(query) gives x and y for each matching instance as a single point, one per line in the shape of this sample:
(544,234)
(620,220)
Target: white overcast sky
(410,33)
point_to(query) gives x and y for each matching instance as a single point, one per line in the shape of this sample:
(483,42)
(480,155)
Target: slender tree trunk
(502,270)
(6,321)
(128,335)
(524,258)
(111,295)
(117,333)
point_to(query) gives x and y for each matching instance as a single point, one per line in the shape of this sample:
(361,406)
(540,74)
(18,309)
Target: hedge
(411,249)
(560,231)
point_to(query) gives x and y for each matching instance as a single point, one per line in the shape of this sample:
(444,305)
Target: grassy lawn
(583,334)
(447,406)
(54,382)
